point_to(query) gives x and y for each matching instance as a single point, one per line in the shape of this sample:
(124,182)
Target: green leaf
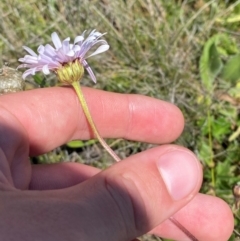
(221,127)
(210,62)
(79,144)
(38,79)
(215,63)
(227,46)
(231,70)
(205,152)
(75,144)
(234,135)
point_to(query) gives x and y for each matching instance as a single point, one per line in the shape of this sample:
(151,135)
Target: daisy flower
(66,59)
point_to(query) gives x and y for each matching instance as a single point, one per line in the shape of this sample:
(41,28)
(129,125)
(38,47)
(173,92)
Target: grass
(155,50)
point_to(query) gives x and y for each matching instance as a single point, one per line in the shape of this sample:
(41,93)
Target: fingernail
(180,172)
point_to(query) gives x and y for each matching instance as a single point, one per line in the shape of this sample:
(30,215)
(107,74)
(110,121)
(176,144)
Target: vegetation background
(185,52)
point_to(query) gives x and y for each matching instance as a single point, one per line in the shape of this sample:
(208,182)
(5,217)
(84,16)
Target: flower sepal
(70,72)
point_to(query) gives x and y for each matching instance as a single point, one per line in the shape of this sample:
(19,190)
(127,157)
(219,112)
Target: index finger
(53,116)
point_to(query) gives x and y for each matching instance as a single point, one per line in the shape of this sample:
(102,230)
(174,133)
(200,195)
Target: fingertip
(174,120)
(153,120)
(206,217)
(222,216)
(213,215)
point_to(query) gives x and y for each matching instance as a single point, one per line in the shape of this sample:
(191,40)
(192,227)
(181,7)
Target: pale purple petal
(82,35)
(44,59)
(33,71)
(49,50)
(45,70)
(30,51)
(100,49)
(21,60)
(67,39)
(71,53)
(23,66)
(78,39)
(76,48)
(26,73)
(41,49)
(66,47)
(89,70)
(100,42)
(56,40)
(28,59)
(61,57)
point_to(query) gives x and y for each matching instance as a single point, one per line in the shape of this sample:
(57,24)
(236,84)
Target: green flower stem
(210,142)
(77,87)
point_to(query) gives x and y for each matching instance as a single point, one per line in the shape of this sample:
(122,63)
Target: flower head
(66,59)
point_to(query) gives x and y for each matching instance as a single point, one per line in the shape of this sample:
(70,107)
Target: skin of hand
(71,201)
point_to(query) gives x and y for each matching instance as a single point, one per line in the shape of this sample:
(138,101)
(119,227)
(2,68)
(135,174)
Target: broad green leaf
(215,62)
(210,63)
(231,70)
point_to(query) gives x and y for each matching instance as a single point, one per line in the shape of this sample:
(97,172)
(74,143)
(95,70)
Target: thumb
(135,195)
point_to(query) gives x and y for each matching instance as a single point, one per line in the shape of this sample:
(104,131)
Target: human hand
(71,201)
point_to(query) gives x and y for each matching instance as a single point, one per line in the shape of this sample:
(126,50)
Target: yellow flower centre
(70,72)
